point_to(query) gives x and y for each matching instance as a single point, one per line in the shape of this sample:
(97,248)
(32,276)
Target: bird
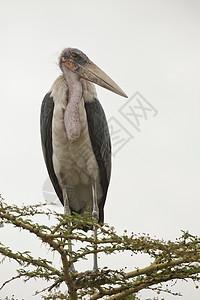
(75,136)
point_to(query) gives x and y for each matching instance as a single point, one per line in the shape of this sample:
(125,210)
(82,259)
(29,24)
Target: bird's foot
(95,215)
(95,269)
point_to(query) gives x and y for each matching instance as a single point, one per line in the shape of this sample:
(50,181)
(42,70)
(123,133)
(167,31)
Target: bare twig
(11,279)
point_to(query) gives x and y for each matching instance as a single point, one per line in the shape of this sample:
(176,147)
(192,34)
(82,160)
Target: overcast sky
(151,50)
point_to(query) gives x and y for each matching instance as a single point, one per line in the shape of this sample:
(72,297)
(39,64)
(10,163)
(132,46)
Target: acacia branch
(149,281)
(172,260)
(19,223)
(29,260)
(156,267)
(128,289)
(55,245)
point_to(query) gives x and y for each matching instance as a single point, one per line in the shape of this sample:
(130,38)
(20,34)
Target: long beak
(94,74)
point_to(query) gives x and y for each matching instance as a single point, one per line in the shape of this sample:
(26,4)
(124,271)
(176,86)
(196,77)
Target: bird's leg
(67,211)
(95,216)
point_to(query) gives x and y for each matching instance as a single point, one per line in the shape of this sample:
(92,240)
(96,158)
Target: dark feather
(100,139)
(46,137)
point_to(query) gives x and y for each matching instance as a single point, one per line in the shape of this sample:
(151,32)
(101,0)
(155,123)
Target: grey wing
(100,140)
(46,139)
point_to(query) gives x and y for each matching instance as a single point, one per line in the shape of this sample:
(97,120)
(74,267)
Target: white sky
(151,47)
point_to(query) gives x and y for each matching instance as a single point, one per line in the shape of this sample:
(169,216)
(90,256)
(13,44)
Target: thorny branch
(169,260)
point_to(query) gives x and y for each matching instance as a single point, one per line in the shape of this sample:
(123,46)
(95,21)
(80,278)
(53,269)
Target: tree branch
(29,260)
(171,260)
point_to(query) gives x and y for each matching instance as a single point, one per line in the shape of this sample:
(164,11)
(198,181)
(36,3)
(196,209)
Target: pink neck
(72,114)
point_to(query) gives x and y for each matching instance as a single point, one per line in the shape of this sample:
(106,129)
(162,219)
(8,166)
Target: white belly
(75,164)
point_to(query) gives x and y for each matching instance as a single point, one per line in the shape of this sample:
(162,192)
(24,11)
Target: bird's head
(76,61)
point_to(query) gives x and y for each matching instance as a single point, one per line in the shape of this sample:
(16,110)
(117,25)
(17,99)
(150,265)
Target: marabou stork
(75,137)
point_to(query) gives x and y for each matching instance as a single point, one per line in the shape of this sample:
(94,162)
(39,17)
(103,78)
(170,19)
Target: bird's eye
(64,58)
